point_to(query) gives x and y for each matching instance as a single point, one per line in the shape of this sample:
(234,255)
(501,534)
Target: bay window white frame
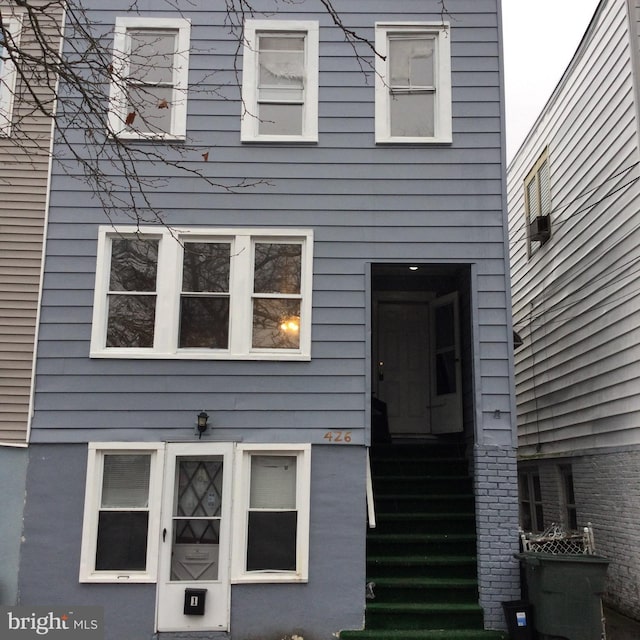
(241,501)
(441,34)
(13,27)
(92,501)
(117,98)
(249,130)
(169,289)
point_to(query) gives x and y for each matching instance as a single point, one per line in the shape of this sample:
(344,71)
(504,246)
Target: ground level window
(272,489)
(571,512)
(119,540)
(531,511)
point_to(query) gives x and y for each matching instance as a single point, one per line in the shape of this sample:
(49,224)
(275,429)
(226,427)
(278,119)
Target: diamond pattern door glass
(196,520)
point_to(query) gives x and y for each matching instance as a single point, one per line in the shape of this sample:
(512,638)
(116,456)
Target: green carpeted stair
(421,556)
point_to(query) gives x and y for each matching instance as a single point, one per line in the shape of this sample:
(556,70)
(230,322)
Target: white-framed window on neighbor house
(9,40)
(148,97)
(203,293)
(537,198)
(121,512)
(271,499)
(413,83)
(280,81)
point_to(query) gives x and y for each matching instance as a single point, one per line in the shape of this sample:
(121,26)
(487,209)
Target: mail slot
(194,602)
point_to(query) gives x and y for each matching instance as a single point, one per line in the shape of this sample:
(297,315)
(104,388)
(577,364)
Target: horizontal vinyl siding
(24,163)
(576,299)
(365,203)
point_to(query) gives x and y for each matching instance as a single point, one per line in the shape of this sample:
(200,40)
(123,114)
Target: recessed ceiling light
(413,268)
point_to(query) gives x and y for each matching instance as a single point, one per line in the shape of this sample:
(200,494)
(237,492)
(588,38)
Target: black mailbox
(194,602)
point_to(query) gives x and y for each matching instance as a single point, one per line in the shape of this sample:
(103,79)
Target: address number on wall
(338,436)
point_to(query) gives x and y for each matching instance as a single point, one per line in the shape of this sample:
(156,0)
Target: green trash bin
(565,591)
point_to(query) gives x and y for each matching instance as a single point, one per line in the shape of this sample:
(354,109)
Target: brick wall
(497,527)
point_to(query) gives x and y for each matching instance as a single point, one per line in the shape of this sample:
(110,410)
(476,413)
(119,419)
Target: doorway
(417,377)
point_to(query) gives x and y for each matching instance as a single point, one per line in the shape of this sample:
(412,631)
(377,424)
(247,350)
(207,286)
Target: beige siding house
(25,142)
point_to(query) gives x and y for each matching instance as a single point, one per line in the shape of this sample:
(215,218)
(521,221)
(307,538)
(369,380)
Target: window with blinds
(538,203)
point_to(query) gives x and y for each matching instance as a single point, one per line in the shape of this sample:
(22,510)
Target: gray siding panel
(366,203)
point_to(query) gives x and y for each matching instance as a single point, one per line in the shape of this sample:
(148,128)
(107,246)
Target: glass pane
(134,264)
(122,541)
(280,119)
(151,57)
(524,486)
(278,268)
(445,326)
(125,481)
(539,517)
(273,482)
(281,43)
(271,541)
(152,107)
(206,266)
(545,192)
(276,324)
(131,321)
(445,373)
(532,199)
(411,62)
(412,115)
(204,322)
(196,531)
(199,488)
(537,491)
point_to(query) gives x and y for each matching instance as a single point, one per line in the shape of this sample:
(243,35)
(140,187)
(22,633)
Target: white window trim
(117,99)
(169,288)
(443,111)
(250,121)
(242,485)
(95,462)
(13,25)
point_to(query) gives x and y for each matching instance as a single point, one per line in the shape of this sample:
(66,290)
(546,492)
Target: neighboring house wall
(25,139)
(575,297)
(366,205)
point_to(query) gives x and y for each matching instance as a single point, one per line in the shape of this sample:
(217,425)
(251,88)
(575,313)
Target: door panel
(402,377)
(446,377)
(194,551)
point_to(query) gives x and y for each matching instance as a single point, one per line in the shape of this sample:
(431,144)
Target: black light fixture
(203,416)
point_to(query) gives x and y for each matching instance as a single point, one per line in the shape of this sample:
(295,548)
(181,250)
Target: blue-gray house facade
(318,275)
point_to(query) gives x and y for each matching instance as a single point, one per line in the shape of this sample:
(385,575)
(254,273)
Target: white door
(401,377)
(195,536)
(446,377)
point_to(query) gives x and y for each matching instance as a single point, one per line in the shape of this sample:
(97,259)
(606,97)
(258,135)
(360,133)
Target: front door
(401,377)
(195,538)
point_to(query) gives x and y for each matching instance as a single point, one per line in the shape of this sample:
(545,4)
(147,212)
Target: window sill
(139,354)
(283,139)
(270,577)
(118,578)
(415,141)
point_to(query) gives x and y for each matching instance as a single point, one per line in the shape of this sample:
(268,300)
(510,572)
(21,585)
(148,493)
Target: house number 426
(338,436)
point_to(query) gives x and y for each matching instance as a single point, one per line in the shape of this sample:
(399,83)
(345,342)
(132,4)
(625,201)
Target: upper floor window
(9,41)
(216,293)
(413,83)
(150,77)
(280,81)
(537,192)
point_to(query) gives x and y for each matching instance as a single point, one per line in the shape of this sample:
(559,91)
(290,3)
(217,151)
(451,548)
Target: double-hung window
(272,513)
(150,78)
(413,83)
(122,513)
(537,187)
(531,508)
(280,81)
(9,42)
(203,293)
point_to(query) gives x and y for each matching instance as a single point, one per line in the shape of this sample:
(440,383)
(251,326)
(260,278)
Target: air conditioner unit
(540,229)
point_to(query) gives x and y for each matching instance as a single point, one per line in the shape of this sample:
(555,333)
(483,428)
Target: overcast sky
(540,39)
